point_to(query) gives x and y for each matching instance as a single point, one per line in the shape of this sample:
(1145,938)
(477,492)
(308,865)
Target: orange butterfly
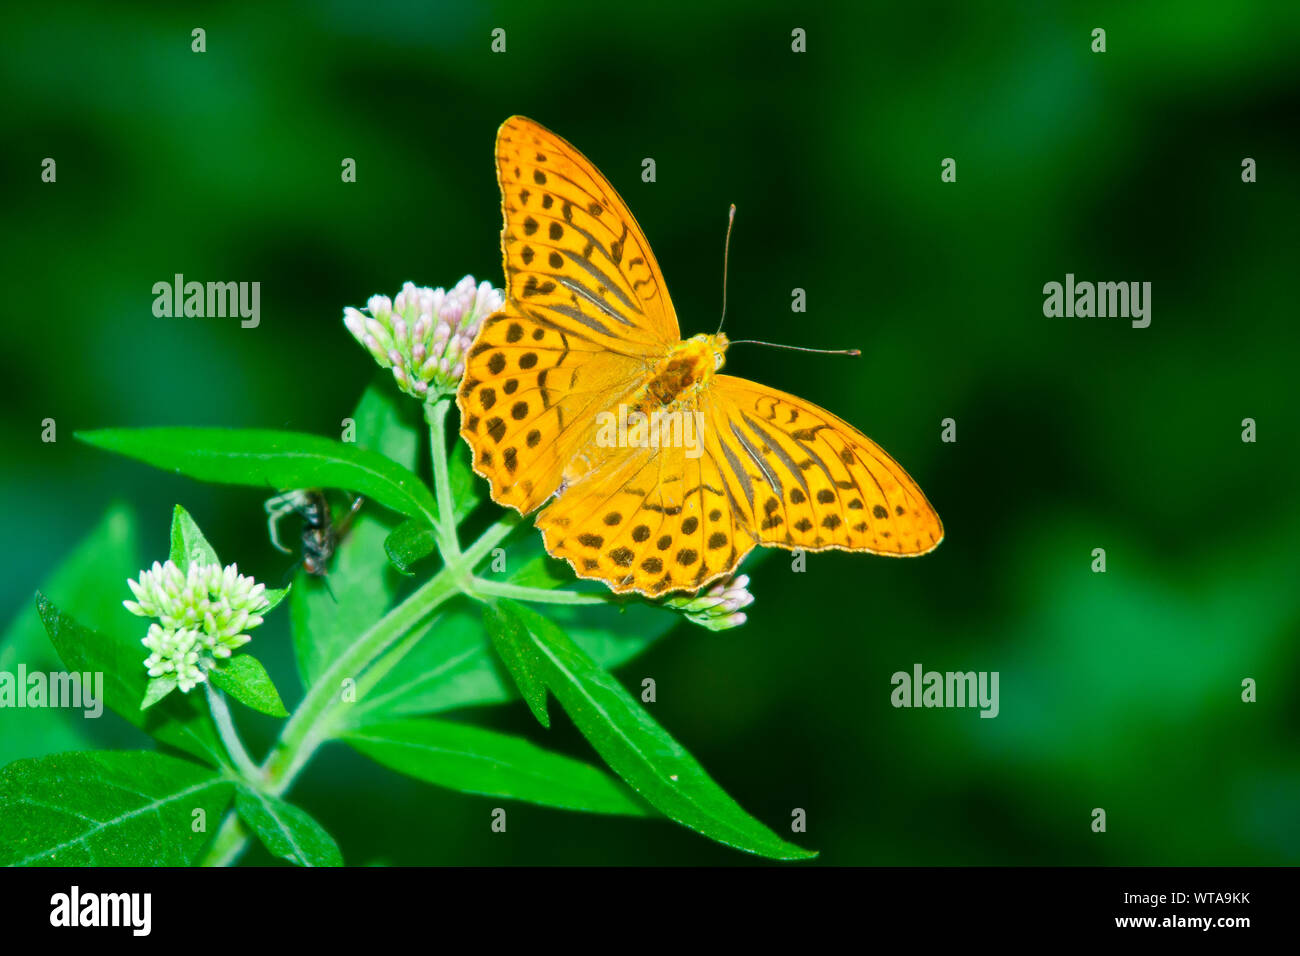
(660,473)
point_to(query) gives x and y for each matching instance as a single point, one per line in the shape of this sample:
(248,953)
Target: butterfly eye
(717,361)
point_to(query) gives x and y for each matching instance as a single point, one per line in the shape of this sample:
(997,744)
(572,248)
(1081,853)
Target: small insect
(320,534)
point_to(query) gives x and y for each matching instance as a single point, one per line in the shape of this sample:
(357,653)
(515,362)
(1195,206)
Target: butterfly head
(712,349)
(687,367)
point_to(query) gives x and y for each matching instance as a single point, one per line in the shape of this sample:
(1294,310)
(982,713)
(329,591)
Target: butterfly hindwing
(651,520)
(804,478)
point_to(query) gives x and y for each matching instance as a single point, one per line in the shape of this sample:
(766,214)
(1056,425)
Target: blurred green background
(1118,690)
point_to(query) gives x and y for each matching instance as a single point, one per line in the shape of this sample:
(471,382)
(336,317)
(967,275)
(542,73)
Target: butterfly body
(588,337)
(684,370)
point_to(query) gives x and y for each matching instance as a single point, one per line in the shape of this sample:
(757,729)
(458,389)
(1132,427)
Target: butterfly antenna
(726,253)
(799,348)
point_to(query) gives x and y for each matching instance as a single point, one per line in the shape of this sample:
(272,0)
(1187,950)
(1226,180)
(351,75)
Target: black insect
(320,533)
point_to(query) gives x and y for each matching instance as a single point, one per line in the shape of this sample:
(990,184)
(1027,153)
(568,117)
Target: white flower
(202,617)
(423,334)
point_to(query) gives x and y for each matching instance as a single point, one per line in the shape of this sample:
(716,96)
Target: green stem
(228,844)
(436,415)
(314,719)
(391,658)
(490,538)
(520,592)
(312,722)
(318,715)
(229,736)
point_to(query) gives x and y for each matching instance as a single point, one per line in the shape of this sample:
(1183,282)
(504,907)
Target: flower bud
(422,334)
(202,614)
(718,608)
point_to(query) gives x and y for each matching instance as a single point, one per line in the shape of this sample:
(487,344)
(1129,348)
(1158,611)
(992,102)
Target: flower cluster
(423,334)
(203,615)
(718,608)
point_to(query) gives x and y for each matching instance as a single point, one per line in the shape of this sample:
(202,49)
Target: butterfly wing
(770,468)
(651,520)
(529,402)
(574,254)
(586,308)
(803,478)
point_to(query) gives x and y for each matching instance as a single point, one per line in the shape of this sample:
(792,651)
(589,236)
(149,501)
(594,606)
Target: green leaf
(388,421)
(447,665)
(364,585)
(510,639)
(287,831)
(108,808)
(276,459)
(633,744)
(179,720)
(156,690)
(465,487)
(410,543)
(188,545)
(451,665)
(474,760)
(91,584)
(273,597)
(244,678)
(612,633)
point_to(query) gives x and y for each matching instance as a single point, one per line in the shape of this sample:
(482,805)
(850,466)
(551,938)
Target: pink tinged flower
(420,331)
(422,334)
(355,322)
(717,608)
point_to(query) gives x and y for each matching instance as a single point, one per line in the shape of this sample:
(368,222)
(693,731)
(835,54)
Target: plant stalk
(317,716)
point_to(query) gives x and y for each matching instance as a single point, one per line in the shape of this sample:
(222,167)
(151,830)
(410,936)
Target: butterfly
(587,336)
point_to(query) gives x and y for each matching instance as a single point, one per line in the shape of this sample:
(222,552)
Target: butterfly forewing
(574,254)
(585,306)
